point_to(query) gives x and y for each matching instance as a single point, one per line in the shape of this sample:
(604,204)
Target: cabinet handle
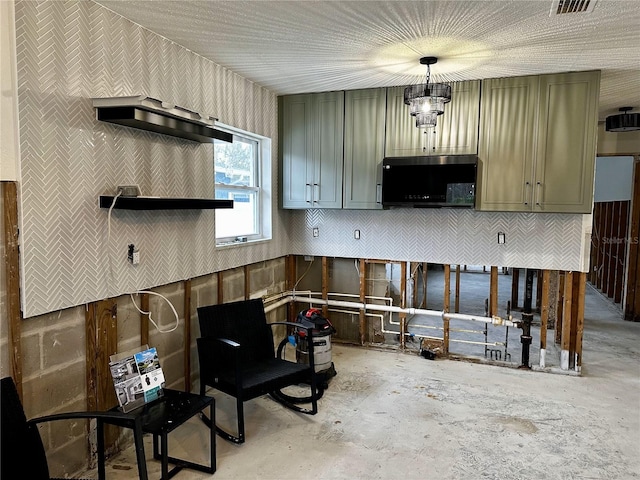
(315,189)
(526,196)
(538,185)
(307,193)
(378,193)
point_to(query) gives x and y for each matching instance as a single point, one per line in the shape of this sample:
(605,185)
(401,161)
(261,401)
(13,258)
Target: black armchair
(22,453)
(237,356)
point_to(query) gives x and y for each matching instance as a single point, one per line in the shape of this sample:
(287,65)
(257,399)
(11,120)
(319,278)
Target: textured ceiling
(312,46)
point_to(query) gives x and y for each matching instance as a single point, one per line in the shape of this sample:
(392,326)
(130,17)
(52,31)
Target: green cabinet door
(508,120)
(566,144)
(538,143)
(364,148)
(311,136)
(328,150)
(296,150)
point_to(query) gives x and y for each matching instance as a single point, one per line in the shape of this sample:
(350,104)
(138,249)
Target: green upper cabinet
(364,124)
(312,128)
(456,132)
(507,138)
(566,145)
(538,143)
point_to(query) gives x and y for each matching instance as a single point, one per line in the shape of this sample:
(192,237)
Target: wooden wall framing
(12,279)
(632,296)
(609,241)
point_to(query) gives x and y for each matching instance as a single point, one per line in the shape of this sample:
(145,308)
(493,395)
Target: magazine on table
(137,377)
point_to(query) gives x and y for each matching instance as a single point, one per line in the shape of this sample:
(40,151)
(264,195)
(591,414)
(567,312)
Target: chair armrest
(217,355)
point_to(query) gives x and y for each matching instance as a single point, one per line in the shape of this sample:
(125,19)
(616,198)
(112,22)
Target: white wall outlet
(316,232)
(133,254)
(501,238)
(356,234)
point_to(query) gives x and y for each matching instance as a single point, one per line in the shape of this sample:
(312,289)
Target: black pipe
(527,318)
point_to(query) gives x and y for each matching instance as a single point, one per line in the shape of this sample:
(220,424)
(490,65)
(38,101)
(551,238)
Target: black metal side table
(160,418)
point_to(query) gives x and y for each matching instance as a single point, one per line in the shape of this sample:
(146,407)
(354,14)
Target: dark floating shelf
(163,203)
(140,118)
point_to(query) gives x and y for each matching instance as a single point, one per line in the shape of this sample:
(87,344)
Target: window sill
(240,243)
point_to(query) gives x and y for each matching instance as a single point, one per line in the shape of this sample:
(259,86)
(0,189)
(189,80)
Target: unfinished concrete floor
(391,415)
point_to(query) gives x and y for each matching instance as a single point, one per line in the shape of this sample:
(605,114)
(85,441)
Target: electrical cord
(113,203)
(149,313)
(305,272)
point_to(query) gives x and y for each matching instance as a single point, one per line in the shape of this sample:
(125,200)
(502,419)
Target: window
(238,177)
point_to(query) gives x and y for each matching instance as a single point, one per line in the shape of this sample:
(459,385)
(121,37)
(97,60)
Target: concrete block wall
(53,351)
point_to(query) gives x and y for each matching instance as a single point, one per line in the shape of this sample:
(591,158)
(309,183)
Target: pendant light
(623,122)
(426,100)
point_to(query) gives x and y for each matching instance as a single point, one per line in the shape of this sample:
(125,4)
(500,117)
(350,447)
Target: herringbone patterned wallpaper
(67,53)
(466,237)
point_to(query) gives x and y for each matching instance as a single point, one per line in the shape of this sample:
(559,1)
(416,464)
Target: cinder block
(53,391)
(63,345)
(31,354)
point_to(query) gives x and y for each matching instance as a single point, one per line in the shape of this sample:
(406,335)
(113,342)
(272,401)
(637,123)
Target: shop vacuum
(321,335)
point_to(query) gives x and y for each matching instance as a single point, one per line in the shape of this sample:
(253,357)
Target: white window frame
(262,189)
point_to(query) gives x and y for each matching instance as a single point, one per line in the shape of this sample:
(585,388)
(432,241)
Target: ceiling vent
(623,122)
(558,7)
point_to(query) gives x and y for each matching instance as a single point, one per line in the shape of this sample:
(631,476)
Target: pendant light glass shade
(426,100)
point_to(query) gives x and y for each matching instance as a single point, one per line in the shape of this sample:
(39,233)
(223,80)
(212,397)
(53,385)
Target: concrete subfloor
(393,415)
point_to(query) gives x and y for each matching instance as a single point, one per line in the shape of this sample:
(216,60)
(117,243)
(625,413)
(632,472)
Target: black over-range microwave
(429,181)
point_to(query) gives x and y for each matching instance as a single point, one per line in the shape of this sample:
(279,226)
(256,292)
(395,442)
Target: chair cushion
(264,377)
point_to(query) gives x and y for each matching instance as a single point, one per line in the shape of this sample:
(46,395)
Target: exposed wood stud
(144,319)
(560,307)
(565,339)
(493,293)
(631,303)
(515,285)
(575,313)
(599,238)
(413,268)
(582,278)
(91,337)
(101,328)
(446,307)
(290,283)
(593,255)
(425,270)
(613,249)
(220,287)
(538,290)
(363,289)
(187,335)
(403,303)
(603,285)
(457,297)
(12,280)
(621,252)
(325,285)
(544,310)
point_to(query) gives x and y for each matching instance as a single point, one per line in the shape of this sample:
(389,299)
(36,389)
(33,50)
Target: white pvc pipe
(412,311)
